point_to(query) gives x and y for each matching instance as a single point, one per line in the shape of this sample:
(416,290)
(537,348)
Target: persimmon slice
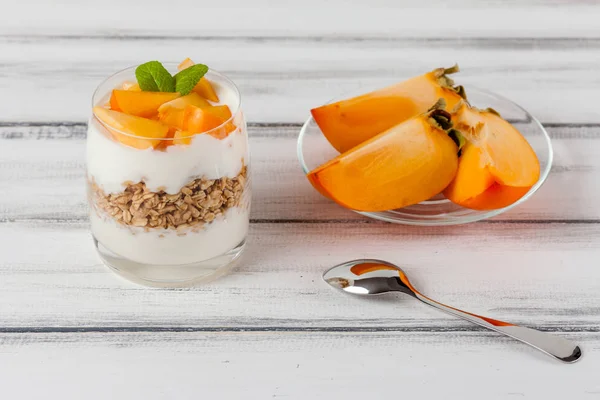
(406,164)
(172,112)
(497,166)
(130,130)
(350,122)
(193,99)
(508,156)
(211,120)
(475,187)
(204,88)
(139,104)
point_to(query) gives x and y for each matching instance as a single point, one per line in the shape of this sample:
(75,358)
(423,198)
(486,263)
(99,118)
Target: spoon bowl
(366,277)
(374,277)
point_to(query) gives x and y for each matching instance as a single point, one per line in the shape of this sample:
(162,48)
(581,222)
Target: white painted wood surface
(71,329)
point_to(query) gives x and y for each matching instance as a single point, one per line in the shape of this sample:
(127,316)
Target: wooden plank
(281,79)
(539,275)
(383,18)
(98,366)
(36,160)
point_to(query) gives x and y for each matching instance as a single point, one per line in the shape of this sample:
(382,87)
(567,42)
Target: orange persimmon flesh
(409,163)
(206,90)
(198,120)
(496,196)
(185,64)
(204,87)
(162,146)
(145,133)
(350,122)
(193,99)
(472,176)
(131,86)
(475,187)
(508,155)
(497,166)
(140,104)
(172,112)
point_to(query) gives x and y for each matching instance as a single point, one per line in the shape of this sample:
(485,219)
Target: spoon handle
(557,347)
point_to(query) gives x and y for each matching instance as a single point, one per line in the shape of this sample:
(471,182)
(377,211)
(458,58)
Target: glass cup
(170,211)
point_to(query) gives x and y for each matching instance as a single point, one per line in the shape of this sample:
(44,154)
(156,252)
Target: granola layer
(197,203)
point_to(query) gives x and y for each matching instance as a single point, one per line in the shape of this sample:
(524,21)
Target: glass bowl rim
(477,215)
(167,65)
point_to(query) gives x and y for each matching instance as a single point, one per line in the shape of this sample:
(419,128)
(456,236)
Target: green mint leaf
(153,77)
(188,78)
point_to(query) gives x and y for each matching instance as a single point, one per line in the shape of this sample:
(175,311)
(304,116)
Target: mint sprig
(154,77)
(187,79)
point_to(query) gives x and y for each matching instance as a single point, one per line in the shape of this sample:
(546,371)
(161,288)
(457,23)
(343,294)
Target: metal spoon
(372,277)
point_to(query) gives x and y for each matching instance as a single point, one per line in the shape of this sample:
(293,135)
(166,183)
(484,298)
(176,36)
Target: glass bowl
(314,150)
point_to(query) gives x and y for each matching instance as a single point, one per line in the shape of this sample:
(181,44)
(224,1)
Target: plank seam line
(325,38)
(50,124)
(250,329)
(259,221)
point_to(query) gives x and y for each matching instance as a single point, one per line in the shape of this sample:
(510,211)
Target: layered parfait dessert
(167,173)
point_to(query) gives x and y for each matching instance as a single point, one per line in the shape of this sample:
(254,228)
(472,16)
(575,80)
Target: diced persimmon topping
(131,86)
(196,120)
(113,104)
(185,64)
(182,137)
(204,88)
(172,112)
(145,119)
(193,99)
(173,117)
(222,112)
(138,132)
(140,104)
(162,146)
(200,120)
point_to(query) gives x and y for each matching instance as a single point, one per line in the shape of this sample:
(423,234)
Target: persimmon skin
(495,197)
(404,165)
(348,123)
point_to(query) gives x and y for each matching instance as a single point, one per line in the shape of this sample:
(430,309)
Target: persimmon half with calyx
(204,88)
(138,103)
(496,167)
(350,122)
(138,132)
(404,165)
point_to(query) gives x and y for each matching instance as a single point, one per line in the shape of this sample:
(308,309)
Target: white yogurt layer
(111,163)
(163,246)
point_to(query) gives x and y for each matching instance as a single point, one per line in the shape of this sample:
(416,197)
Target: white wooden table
(70,329)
